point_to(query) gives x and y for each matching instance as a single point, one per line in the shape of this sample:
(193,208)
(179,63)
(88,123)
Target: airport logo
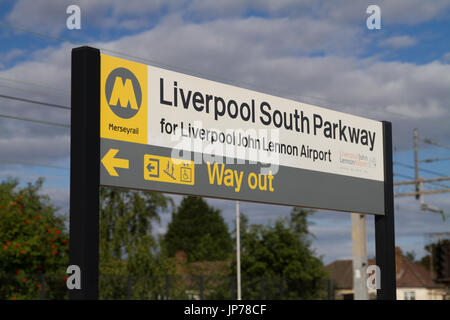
(123,93)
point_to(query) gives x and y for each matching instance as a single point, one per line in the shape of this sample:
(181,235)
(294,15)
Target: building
(414,281)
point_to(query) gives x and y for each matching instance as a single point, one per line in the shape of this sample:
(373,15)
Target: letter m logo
(124,93)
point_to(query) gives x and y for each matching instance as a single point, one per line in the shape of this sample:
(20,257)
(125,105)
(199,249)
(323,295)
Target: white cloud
(7,57)
(41,15)
(59,197)
(274,54)
(446,57)
(398,42)
(339,12)
(43,149)
(50,16)
(413,11)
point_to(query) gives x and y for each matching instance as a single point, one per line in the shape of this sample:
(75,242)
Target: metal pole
(416,161)
(85,169)
(384,225)
(359,248)
(238,252)
(422,199)
(431,261)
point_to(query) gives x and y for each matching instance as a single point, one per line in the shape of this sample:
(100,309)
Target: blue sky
(318,52)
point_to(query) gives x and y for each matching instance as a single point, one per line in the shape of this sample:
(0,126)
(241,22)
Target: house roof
(341,273)
(414,275)
(408,274)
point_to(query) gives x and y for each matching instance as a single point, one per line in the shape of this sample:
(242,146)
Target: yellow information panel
(123,100)
(167,169)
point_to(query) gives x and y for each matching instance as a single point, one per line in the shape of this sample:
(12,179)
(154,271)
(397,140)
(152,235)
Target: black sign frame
(85,184)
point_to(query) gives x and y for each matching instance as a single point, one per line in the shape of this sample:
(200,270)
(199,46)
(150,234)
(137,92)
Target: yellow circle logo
(123,93)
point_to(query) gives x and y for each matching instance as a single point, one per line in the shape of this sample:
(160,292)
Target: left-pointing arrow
(111,163)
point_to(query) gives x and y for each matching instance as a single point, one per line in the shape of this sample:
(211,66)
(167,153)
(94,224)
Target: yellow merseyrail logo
(165,169)
(123,95)
(123,100)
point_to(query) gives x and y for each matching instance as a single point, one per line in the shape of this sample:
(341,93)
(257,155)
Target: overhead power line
(28,83)
(421,169)
(429,141)
(422,180)
(403,176)
(433,159)
(424,170)
(32,164)
(33,91)
(209,76)
(35,102)
(432,172)
(35,121)
(153,62)
(403,165)
(409,194)
(418,181)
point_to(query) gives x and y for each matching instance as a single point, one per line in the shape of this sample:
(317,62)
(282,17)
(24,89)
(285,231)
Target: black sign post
(85,169)
(384,225)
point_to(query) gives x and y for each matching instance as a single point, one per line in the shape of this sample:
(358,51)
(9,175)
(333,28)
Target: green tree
(33,240)
(429,260)
(278,258)
(199,230)
(127,247)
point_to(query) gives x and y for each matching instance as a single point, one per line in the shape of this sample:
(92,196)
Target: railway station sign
(141,127)
(167,131)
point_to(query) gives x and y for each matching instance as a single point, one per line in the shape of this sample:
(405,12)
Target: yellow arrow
(110,162)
